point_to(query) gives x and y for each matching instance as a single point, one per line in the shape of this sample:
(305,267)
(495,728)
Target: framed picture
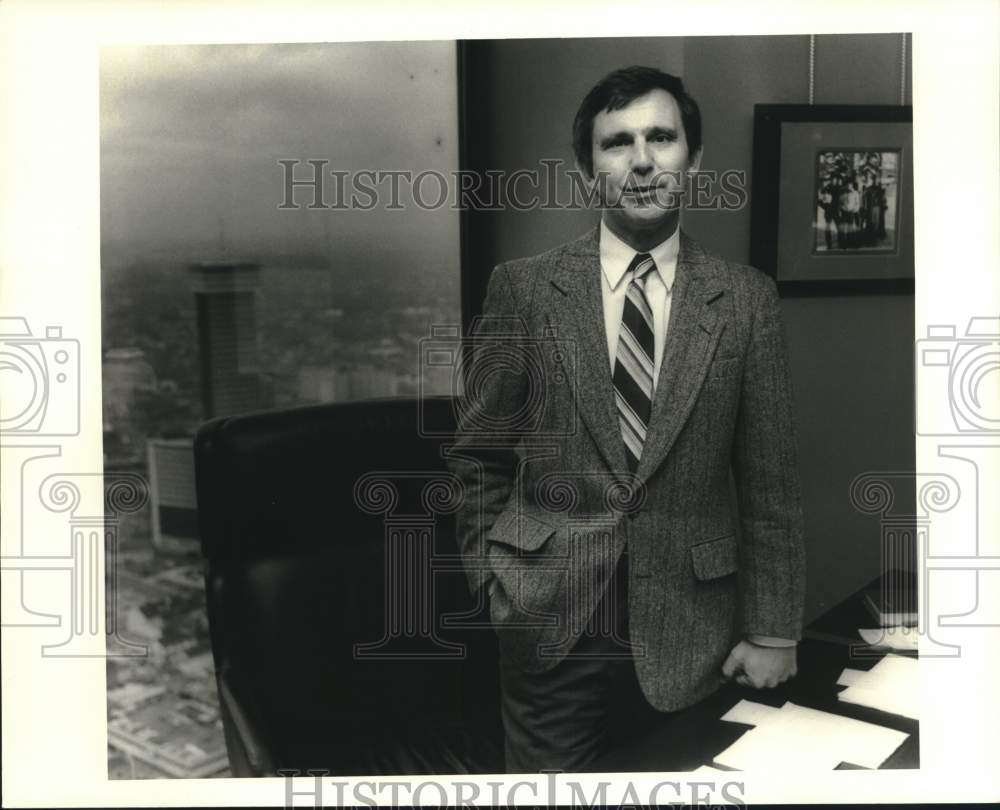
(832,197)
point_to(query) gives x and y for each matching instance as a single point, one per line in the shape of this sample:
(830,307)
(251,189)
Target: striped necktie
(633,374)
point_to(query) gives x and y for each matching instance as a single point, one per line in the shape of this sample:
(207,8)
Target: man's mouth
(642,195)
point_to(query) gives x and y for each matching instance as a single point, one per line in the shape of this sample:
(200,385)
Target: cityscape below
(191,335)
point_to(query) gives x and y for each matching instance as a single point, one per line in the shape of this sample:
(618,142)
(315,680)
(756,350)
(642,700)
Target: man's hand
(760,667)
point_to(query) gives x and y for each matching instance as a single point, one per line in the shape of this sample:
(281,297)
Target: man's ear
(588,176)
(695,163)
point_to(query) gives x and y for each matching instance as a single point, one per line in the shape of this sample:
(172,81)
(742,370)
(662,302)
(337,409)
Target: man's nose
(642,162)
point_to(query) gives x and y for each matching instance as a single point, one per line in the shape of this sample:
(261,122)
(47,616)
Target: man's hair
(619,89)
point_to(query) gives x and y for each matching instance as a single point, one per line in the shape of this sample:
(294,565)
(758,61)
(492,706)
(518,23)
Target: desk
(684,740)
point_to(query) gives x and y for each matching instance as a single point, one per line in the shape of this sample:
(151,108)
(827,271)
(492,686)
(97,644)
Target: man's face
(642,150)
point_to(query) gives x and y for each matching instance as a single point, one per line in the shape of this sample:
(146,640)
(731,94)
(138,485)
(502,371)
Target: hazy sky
(190,134)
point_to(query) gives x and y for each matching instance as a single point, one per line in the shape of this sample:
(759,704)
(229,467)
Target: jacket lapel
(692,335)
(577,316)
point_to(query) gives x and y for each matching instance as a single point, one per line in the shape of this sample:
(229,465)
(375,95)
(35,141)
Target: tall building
(172,500)
(225,301)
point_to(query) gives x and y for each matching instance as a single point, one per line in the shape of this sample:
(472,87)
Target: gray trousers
(567,717)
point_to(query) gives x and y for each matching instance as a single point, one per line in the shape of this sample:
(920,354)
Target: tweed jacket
(549,503)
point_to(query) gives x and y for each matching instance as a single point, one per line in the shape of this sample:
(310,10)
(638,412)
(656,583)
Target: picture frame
(832,198)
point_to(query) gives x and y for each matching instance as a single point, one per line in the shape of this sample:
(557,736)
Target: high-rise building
(225,301)
(172,501)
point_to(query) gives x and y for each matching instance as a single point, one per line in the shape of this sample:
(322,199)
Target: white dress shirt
(616,256)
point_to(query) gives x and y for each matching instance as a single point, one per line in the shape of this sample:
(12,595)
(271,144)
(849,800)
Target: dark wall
(851,356)
(519,98)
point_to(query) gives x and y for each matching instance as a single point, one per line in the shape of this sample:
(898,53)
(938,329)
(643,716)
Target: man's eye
(663,138)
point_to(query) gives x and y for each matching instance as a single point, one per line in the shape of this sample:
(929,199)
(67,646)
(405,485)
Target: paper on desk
(895,638)
(799,737)
(849,677)
(749,712)
(891,702)
(892,685)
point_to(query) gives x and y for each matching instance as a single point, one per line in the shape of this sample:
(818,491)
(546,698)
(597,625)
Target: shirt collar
(616,256)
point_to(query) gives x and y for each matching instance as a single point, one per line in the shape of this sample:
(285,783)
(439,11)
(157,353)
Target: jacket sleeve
(765,467)
(484,455)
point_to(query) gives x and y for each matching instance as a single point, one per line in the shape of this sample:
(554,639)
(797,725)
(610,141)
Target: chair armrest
(248,750)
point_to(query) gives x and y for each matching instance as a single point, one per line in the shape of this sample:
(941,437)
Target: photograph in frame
(834,191)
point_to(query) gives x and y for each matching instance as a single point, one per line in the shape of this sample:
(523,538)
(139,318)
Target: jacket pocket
(715,558)
(724,366)
(520,530)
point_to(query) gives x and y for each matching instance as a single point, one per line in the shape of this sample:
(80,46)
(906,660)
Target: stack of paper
(797,737)
(889,686)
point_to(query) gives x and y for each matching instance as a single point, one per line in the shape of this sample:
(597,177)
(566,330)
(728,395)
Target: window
(222,293)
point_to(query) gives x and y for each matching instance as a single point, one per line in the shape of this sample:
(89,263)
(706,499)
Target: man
(614,382)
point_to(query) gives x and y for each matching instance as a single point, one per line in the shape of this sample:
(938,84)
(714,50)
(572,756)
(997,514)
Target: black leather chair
(326,530)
